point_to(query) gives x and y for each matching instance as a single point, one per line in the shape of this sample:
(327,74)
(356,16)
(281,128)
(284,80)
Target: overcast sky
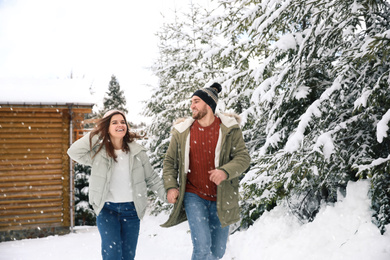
(89,38)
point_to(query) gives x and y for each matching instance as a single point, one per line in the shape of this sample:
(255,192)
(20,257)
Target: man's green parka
(231,156)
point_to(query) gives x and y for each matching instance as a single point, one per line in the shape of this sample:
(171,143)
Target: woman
(120,175)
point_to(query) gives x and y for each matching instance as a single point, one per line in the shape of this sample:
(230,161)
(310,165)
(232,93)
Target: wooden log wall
(34,167)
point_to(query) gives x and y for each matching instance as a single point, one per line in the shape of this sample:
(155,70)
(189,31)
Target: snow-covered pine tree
(84,214)
(231,55)
(115,98)
(320,72)
(181,70)
(311,80)
(372,73)
(163,107)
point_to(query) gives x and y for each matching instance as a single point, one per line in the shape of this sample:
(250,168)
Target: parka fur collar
(227,119)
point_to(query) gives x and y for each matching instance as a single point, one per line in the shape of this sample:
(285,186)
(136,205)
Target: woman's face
(117,127)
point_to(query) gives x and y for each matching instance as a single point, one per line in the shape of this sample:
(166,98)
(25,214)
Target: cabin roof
(58,92)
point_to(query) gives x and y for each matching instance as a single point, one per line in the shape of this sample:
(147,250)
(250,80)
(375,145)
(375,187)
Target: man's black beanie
(209,95)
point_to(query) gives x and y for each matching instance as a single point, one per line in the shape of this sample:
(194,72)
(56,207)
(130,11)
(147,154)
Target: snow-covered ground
(341,231)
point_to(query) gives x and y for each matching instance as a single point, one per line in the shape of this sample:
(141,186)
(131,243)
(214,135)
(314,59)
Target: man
(201,171)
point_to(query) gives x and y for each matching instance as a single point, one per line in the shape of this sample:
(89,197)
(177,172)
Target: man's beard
(200,114)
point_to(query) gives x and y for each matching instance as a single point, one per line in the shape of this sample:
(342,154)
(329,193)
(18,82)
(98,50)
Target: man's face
(198,107)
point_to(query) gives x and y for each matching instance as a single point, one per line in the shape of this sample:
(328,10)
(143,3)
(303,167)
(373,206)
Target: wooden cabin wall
(34,171)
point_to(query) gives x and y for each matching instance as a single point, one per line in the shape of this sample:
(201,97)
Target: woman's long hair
(101,130)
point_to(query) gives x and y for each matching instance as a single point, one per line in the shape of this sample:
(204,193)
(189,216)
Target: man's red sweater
(203,141)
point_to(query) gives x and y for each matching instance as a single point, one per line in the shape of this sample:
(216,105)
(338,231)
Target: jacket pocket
(96,188)
(138,176)
(230,194)
(140,197)
(141,190)
(138,171)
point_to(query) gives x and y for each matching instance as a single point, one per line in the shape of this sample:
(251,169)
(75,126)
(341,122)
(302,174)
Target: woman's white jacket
(141,173)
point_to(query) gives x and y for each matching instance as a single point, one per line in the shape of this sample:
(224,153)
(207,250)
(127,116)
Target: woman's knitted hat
(209,95)
(110,112)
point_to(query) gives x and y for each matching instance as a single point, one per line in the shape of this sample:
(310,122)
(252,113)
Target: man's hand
(217,176)
(172,195)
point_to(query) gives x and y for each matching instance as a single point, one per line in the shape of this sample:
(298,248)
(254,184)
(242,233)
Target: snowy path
(342,231)
(154,242)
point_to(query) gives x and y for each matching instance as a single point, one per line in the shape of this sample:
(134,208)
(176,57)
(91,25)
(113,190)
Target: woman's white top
(120,185)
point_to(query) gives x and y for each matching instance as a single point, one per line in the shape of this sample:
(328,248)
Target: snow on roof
(45,91)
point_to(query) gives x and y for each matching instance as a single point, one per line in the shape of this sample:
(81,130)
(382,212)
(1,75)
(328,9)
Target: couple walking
(201,171)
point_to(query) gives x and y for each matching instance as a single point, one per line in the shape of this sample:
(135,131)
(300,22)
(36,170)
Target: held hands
(217,176)
(172,195)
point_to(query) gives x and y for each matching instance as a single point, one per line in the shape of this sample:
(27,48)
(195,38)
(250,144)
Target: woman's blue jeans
(208,237)
(118,225)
